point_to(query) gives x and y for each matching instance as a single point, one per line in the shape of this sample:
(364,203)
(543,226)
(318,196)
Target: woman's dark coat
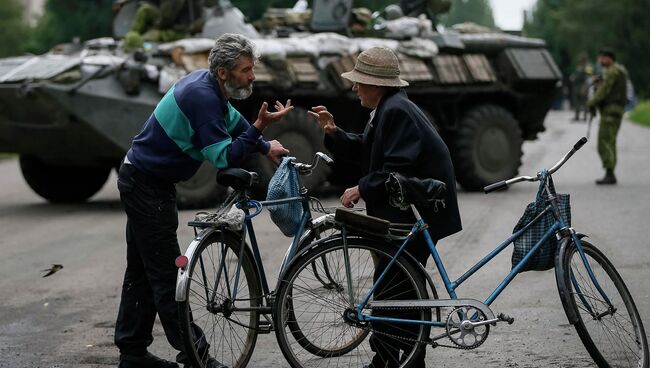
(400,139)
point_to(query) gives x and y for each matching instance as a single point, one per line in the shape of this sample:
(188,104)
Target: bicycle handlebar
(306,169)
(505,183)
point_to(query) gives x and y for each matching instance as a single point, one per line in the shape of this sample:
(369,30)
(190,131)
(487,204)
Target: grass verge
(641,113)
(7,156)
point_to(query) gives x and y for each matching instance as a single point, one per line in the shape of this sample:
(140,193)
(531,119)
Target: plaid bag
(544,258)
(284,184)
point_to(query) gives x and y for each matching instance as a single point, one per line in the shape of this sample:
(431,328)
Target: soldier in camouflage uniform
(610,99)
(165,21)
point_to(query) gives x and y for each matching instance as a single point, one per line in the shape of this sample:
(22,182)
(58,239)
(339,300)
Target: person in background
(610,98)
(580,83)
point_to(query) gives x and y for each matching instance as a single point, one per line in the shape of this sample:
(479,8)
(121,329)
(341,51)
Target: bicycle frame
(420,227)
(246,206)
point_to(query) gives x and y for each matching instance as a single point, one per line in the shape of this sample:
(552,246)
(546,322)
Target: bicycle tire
(613,338)
(325,230)
(230,334)
(320,311)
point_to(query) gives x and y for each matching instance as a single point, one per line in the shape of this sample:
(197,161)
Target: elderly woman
(398,138)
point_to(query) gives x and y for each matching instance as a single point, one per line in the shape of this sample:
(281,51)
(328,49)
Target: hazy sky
(508,14)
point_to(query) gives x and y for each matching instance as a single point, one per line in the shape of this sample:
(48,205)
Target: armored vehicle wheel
(303,137)
(487,147)
(201,190)
(61,183)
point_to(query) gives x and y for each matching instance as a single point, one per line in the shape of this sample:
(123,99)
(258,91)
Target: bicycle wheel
(227,324)
(321,272)
(329,334)
(612,333)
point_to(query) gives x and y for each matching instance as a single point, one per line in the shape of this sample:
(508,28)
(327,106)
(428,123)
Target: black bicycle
(221,285)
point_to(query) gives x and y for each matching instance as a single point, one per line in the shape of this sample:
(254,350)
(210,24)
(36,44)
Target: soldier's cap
(607,52)
(377,66)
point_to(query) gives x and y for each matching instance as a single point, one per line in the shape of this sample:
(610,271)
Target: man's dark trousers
(395,287)
(150,279)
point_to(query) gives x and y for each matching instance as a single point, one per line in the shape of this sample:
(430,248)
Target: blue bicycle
(396,306)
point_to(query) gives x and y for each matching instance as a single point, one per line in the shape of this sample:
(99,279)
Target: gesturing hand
(324,118)
(265,117)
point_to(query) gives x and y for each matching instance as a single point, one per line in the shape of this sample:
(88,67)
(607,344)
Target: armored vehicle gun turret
(71,116)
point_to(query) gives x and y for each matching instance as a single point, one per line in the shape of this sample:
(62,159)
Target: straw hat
(376,66)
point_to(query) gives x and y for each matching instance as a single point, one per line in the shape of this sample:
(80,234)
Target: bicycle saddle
(238,179)
(405,190)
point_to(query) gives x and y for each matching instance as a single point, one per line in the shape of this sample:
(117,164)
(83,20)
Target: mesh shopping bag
(285,184)
(544,257)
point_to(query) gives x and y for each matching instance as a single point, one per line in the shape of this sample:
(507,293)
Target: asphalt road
(67,319)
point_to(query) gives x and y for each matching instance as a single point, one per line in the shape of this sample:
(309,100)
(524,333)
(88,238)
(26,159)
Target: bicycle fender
(315,225)
(565,294)
(183,279)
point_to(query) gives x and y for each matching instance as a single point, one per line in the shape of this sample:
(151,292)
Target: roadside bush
(641,113)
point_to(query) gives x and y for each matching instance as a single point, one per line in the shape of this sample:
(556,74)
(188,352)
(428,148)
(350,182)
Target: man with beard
(193,122)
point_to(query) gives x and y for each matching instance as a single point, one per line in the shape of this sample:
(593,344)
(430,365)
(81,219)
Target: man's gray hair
(227,50)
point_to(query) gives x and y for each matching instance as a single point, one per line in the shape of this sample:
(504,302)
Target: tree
(476,11)
(544,23)
(13,28)
(65,19)
(571,28)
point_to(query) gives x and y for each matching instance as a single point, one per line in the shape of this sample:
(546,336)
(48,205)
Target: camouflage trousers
(610,123)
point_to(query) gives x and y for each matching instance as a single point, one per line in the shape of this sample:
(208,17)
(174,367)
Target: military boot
(609,178)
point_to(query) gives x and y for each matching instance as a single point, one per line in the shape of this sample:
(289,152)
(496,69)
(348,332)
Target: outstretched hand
(265,117)
(324,118)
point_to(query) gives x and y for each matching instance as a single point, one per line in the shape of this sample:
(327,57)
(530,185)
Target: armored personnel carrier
(71,114)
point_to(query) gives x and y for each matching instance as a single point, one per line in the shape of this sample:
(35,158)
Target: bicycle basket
(284,184)
(544,257)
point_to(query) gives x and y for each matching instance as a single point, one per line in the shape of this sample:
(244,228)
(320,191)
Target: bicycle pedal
(264,327)
(506,318)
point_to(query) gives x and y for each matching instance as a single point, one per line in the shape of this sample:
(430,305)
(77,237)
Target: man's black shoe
(147,360)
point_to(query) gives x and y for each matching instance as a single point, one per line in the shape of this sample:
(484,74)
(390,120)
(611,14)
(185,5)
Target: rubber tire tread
(62,183)
(609,268)
(464,149)
(305,261)
(296,122)
(251,273)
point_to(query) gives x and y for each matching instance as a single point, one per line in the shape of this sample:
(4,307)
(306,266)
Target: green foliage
(65,19)
(641,113)
(571,28)
(476,11)
(7,156)
(13,28)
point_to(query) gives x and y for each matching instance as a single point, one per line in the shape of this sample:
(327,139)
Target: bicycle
(594,297)
(221,284)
